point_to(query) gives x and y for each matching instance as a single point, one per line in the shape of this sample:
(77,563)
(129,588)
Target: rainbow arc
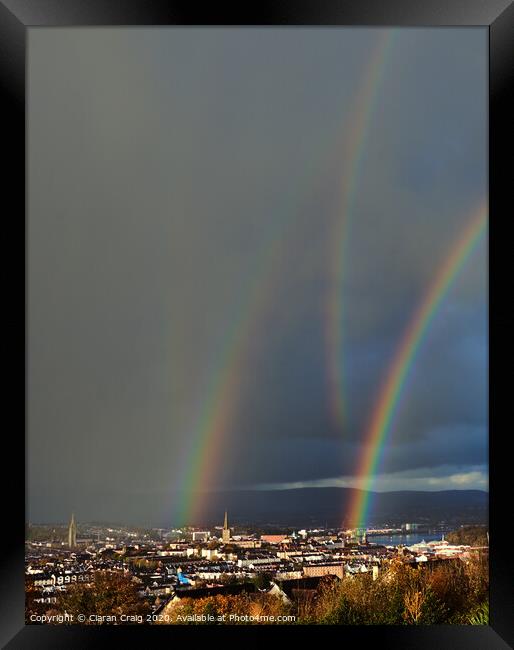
(394,385)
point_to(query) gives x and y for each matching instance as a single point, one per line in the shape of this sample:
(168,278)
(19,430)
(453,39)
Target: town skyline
(153,574)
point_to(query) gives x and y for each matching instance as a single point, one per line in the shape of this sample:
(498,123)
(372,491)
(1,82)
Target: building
(411,527)
(320,570)
(246,543)
(359,536)
(205,592)
(295,589)
(201,535)
(209,553)
(262,559)
(274,539)
(225,535)
(72,532)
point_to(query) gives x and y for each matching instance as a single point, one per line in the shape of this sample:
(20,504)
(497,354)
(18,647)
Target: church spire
(72,532)
(226,530)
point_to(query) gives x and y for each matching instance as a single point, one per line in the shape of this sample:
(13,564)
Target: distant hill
(320,506)
(470,535)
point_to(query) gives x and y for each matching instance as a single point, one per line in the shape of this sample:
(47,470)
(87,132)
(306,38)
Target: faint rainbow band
(222,391)
(364,107)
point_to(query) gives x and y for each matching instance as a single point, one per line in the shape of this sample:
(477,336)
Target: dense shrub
(455,592)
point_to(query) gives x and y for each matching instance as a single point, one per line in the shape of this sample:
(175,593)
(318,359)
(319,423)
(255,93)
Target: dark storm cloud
(163,163)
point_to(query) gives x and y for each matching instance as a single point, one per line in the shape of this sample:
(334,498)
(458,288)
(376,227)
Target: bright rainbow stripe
(364,106)
(395,382)
(222,391)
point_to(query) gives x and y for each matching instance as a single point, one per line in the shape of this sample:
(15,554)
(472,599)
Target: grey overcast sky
(164,165)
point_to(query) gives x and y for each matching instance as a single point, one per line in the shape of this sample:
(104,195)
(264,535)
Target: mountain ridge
(306,506)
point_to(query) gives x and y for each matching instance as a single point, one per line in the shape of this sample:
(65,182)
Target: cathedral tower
(72,532)
(226,530)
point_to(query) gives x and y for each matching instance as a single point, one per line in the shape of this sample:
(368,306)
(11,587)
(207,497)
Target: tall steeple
(72,532)
(226,530)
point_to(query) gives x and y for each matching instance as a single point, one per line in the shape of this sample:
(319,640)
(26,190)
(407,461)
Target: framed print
(262,253)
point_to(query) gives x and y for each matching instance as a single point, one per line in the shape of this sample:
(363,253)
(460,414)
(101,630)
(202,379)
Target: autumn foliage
(110,594)
(454,592)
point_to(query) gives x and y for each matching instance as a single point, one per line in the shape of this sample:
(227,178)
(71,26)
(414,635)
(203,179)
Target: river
(405,539)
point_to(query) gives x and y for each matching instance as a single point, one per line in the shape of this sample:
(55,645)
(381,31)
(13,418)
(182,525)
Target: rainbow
(395,380)
(222,390)
(365,104)
(223,386)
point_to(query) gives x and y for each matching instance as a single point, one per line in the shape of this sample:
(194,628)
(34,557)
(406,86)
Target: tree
(480,616)
(216,610)
(262,580)
(110,594)
(469,536)
(423,607)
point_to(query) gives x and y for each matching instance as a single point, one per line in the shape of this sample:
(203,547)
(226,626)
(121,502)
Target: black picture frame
(16,18)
